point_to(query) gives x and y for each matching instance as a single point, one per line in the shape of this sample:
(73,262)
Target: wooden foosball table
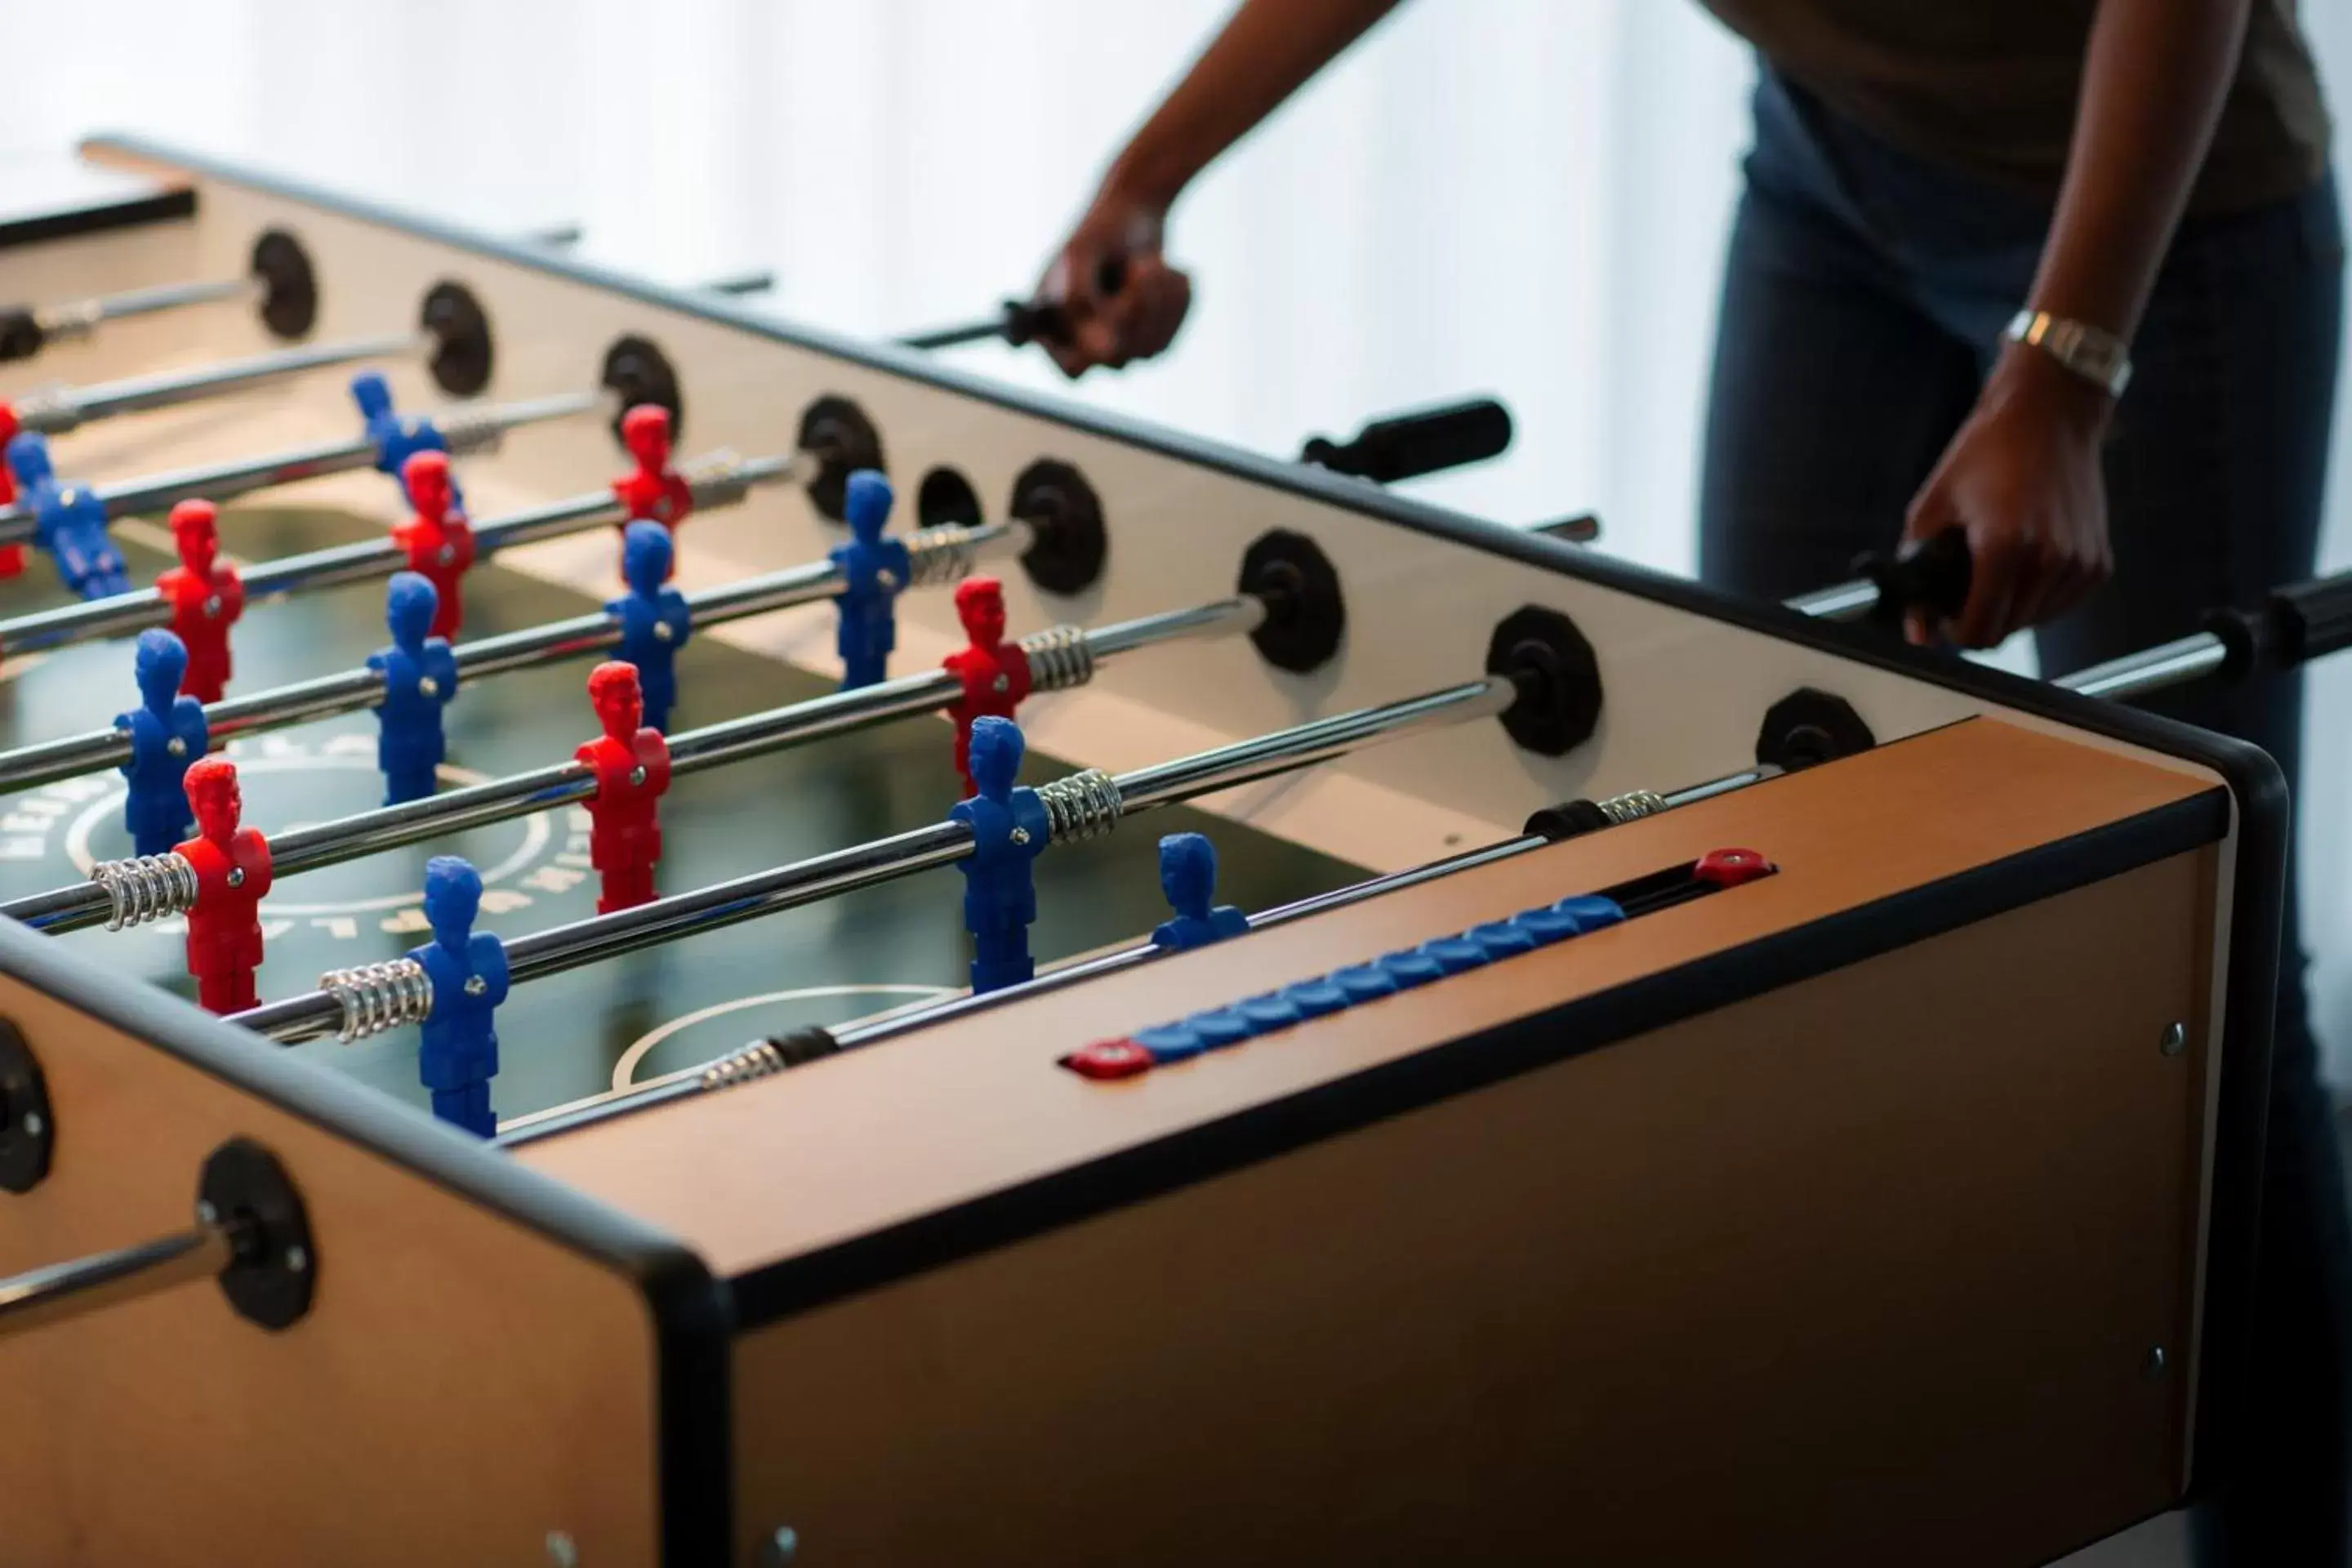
(1700,1082)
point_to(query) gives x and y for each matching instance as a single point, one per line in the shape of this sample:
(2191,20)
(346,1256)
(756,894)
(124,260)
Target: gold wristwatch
(2098,357)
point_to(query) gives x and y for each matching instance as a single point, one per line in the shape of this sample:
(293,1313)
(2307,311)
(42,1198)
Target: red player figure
(655,492)
(206,597)
(995,673)
(12,556)
(632,766)
(438,540)
(232,867)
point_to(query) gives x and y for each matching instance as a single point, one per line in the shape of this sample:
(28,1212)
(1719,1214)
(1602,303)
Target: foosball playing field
(589,1030)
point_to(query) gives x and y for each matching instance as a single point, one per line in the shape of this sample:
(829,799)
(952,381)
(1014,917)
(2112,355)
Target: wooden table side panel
(1863,1270)
(905,1128)
(462,1385)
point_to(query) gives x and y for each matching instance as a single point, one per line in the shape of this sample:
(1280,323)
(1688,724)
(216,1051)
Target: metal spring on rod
(937,555)
(753,1061)
(718,480)
(1059,658)
(379,996)
(145,887)
(1631,804)
(1082,807)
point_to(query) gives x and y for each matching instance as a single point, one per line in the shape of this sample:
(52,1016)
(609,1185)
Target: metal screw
(237,876)
(33,1125)
(206,1214)
(2156,1361)
(176,746)
(636,777)
(2174,1040)
(560,1552)
(428,687)
(213,607)
(297,1259)
(780,1548)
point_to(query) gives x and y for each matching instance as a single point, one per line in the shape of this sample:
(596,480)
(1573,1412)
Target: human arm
(2021,478)
(1116,297)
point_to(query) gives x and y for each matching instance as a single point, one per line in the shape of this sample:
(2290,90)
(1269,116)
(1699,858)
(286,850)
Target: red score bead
(1107,1060)
(1729,867)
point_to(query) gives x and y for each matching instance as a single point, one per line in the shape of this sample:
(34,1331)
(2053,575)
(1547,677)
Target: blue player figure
(459,1053)
(419,676)
(1009,831)
(69,521)
(1188,875)
(874,569)
(396,439)
(654,616)
(167,733)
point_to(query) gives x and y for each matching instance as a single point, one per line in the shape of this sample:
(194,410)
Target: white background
(1521,196)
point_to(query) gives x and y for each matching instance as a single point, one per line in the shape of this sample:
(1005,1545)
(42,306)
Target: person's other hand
(1113,297)
(2021,481)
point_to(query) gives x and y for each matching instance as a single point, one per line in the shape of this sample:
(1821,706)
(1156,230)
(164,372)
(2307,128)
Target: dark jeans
(1863,303)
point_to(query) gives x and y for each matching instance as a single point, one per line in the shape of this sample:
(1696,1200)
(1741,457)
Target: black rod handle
(1419,441)
(2310,620)
(1933,578)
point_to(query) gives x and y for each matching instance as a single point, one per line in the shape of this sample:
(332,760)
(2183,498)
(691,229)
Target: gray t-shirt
(1990,87)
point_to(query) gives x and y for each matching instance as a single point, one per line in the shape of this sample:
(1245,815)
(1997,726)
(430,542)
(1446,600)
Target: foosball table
(528,1040)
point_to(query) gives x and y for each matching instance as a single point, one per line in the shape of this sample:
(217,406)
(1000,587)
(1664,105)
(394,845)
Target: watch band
(2098,357)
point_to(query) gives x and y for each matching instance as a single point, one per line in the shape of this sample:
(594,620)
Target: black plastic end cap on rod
(1419,441)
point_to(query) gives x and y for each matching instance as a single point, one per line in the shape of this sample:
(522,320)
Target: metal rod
(567,947)
(66,1291)
(955,337)
(54,414)
(2168,664)
(700,1080)
(464,431)
(79,905)
(373,558)
(1839,601)
(77,318)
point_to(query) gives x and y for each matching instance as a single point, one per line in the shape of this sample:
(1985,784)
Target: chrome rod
(82,904)
(65,1290)
(466,430)
(2150,669)
(56,412)
(81,314)
(699,1079)
(1244,761)
(716,483)
(867,864)
(1839,601)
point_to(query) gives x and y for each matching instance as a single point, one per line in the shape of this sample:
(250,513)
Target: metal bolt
(780,1548)
(661,632)
(428,687)
(1020,836)
(560,1552)
(297,1259)
(2157,1360)
(33,1125)
(213,607)
(1003,683)
(476,985)
(448,553)
(176,746)
(237,876)
(2174,1040)
(206,1214)
(636,777)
